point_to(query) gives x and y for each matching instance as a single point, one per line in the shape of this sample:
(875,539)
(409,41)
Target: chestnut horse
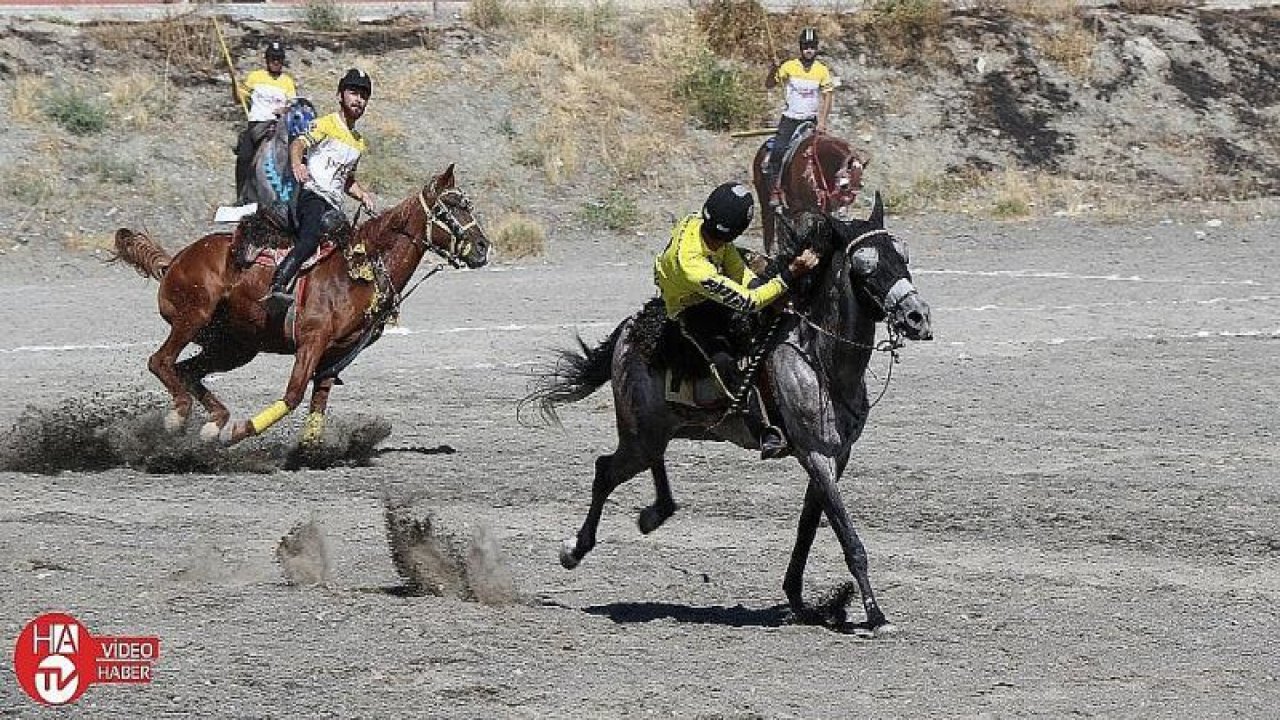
(823,174)
(209,300)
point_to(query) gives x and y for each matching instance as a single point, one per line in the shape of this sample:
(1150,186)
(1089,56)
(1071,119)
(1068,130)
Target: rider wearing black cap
(809,88)
(703,280)
(324,162)
(268,94)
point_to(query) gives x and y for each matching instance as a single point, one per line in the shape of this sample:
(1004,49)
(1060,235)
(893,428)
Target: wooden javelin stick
(226,55)
(757,132)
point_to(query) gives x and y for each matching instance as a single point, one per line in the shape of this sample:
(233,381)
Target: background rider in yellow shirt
(268,94)
(808,86)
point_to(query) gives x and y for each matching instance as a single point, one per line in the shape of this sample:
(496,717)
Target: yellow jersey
(266,94)
(333,151)
(803,87)
(687,272)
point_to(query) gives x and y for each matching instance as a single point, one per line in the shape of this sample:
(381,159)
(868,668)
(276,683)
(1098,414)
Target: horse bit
(441,216)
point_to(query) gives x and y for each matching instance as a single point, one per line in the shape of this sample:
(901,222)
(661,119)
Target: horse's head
(875,262)
(879,270)
(452,230)
(840,169)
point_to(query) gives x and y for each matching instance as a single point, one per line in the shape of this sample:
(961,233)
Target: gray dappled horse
(271,184)
(812,380)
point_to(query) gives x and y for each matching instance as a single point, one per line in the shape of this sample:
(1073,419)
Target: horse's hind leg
(611,471)
(664,505)
(163,364)
(214,358)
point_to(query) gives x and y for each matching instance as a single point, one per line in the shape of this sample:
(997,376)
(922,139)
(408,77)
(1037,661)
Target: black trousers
(786,128)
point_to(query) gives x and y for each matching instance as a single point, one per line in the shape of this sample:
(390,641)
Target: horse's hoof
(174,421)
(568,560)
(209,431)
(652,518)
(886,630)
(233,432)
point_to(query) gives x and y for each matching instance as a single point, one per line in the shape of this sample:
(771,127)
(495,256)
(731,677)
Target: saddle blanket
(271,257)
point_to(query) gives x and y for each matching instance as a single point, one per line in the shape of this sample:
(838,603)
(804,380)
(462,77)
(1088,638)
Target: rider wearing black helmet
(809,86)
(324,162)
(268,94)
(703,280)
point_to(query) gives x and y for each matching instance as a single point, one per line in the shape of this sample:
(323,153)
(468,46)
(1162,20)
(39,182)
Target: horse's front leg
(793,583)
(823,474)
(313,428)
(304,367)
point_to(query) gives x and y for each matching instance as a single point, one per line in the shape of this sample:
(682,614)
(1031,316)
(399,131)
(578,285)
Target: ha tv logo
(56,659)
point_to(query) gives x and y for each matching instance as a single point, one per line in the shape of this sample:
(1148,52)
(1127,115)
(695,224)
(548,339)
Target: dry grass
(1042,11)
(1153,7)
(1072,48)
(518,236)
(904,32)
(138,99)
(184,41)
(25,103)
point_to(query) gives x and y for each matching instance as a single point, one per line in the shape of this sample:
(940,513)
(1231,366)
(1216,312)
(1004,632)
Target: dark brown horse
(209,300)
(824,174)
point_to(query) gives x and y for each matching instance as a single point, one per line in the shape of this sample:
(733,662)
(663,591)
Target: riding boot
(773,444)
(281,295)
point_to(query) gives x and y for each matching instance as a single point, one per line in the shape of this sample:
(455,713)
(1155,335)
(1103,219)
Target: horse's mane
(393,218)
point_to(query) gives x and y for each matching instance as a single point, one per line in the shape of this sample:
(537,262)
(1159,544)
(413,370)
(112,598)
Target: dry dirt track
(1069,500)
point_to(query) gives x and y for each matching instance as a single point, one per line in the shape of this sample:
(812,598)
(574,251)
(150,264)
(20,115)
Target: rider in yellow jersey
(703,280)
(809,90)
(324,162)
(268,93)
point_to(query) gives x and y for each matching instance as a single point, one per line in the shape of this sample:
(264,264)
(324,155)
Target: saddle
(803,130)
(259,239)
(691,375)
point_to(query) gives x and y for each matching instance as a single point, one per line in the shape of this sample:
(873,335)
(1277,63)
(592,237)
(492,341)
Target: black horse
(812,380)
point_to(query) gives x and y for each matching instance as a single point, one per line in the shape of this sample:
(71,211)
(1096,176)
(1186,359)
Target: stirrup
(773,444)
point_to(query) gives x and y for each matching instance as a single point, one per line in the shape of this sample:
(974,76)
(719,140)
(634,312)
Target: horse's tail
(141,253)
(575,375)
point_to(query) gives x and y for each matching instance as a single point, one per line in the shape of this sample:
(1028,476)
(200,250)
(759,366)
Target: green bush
(615,211)
(75,112)
(324,15)
(719,95)
(487,14)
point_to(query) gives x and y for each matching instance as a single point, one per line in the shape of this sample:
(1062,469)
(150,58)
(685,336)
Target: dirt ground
(1069,500)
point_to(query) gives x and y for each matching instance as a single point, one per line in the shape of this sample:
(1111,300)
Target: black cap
(275,50)
(356,79)
(808,38)
(728,211)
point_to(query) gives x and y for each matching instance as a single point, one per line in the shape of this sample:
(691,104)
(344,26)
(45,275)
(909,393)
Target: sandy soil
(1069,500)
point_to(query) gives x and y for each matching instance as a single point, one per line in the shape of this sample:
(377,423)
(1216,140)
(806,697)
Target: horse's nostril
(915,318)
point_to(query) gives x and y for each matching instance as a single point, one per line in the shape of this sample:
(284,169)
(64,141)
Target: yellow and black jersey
(267,93)
(687,272)
(333,151)
(803,87)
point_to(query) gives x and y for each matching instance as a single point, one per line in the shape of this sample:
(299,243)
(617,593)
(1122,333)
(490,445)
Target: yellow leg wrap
(313,429)
(269,417)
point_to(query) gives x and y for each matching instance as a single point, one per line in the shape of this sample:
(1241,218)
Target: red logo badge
(56,659)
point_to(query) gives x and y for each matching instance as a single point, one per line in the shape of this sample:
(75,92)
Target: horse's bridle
(901,290)
(441,216)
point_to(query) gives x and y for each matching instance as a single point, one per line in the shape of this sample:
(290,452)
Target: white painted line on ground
(1056,275)
(67,348)
(1108,304)
(1084,339)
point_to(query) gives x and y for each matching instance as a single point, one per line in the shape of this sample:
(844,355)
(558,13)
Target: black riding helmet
(356,79)
(808,38)
(727,212)
(275,50)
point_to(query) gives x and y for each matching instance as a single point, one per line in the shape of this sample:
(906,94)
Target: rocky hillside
(580,123)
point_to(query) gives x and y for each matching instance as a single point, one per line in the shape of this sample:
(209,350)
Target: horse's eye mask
(864,260)
(901,247)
